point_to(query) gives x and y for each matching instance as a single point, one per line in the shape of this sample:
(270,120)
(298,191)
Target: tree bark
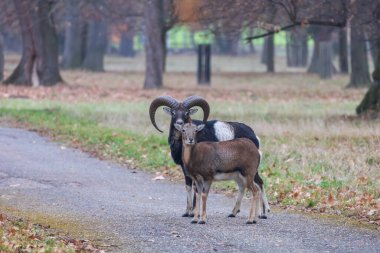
(321,61)
(359,60)
(252,48)
(371,101)
(96,45)
(296,48)
(126,44)
(270,54)
(1,57)
(154,48)
(264,52)
(343,51)
(75,37)
(39,62)
(325,58)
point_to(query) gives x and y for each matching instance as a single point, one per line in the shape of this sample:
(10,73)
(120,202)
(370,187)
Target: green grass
(147,152)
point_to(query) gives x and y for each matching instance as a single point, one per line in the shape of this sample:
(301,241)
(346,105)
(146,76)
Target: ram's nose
(179,122)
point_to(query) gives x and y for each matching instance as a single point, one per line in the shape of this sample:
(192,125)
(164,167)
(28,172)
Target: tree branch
(298,23)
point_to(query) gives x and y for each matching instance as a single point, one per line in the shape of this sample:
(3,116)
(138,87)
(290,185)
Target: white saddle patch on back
(223,131)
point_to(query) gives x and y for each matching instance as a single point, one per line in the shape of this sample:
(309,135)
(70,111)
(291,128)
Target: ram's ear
(192,111)
(200,127)
(178,127)
(167,110)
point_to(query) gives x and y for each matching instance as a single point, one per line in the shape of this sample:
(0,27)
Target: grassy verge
(17,235)
(146,152)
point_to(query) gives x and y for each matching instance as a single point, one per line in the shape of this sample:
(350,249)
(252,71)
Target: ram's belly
(226,176)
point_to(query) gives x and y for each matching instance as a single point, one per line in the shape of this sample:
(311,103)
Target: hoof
(201,222)
(263,217)
(251,222)
(232,215)
(194,221)
(191,215)
(185,215)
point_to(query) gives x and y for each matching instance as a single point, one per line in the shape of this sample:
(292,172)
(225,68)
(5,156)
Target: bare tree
(75,37)
(154,44)
(359,59)
(39,62)
(1,55)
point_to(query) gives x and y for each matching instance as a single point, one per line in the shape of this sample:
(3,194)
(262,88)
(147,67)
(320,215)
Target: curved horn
(157,102)
(198,101)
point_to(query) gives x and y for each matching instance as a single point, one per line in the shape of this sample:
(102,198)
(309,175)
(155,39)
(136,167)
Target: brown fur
(237,160)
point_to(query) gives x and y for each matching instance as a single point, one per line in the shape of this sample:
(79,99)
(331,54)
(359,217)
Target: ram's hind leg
(264,204)
(241,181)
(255,202)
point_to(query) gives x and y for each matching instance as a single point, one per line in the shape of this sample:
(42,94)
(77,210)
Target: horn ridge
(198,101)
(156,103)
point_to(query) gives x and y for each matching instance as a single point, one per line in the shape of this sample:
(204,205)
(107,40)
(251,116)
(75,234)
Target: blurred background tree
(77,34)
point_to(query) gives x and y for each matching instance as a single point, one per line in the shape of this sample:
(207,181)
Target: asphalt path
(129,212)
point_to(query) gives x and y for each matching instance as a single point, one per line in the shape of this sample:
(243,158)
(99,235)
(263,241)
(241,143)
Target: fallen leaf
(330,199)
(160,177)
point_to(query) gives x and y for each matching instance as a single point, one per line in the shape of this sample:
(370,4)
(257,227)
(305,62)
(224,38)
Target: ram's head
(179,111)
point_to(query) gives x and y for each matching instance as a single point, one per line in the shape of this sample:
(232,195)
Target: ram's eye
(183,130)
(187,113)
(173,113)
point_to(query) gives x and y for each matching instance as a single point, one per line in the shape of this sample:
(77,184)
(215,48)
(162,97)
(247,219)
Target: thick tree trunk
(343,51)
(359,60)
(154,48)
(1,57)
(371,101)
(321,61)
(96,44)
(325,58)
(164,49)
(264,52)
(227,43)
(296,48)
(252,48)
(270,54)
(74,46)
(126,44)
(39,62)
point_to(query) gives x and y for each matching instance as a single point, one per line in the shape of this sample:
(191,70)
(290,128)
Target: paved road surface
(66,187)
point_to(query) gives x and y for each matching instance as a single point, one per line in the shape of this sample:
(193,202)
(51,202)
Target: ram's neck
(186,154)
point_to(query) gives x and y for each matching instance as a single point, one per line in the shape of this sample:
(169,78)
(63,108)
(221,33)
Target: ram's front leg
(206,189)
(197,206)
(189,200)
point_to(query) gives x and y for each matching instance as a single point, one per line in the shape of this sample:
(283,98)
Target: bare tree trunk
(359,60)
(96,45)
(321,61)
(343,51)
(39,62)
(371,101)
(270,54)
(164,49)
(252,48)
(1,57)
(296,48)
(154,48)
(126,44)
(325,58)
(73,52)
(264,52)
